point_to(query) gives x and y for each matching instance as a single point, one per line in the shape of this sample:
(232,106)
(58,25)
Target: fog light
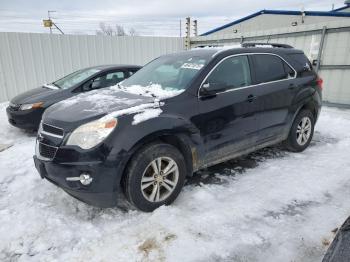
(84,178)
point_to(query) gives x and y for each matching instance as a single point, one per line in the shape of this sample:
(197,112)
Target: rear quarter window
(300,62)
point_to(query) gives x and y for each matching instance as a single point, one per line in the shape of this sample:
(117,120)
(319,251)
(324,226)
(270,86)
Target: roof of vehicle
(114,66)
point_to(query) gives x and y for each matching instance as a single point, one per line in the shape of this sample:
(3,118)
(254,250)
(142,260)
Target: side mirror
(211,89)
(314,62)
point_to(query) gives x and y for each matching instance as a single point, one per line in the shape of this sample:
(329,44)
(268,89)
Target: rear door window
(270,68)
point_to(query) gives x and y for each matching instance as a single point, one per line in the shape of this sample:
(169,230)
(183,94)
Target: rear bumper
(104,190)
(28,119)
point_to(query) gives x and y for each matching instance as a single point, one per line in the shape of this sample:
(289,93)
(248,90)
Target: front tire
(301,132)
(155,176)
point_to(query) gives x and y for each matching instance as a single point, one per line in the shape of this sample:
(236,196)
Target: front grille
(56,131)
(47,151)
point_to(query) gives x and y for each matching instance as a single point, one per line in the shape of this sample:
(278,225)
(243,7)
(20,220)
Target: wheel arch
(181,141)
(310,105)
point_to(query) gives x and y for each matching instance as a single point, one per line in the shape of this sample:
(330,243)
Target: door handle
(251,98)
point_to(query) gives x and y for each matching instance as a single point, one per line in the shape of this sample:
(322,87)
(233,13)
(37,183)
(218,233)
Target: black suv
(178,114)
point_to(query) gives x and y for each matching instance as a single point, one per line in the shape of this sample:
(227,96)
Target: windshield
(172,72)
(75,78)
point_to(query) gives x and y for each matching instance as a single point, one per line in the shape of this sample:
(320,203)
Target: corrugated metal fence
(29,60)
(329,43)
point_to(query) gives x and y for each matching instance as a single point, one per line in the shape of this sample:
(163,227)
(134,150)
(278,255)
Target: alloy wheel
(304,131)
(159,179)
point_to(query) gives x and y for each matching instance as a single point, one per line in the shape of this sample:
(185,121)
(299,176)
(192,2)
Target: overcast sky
(148,17)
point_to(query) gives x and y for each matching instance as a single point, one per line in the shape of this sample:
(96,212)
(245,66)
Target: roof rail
(266,44)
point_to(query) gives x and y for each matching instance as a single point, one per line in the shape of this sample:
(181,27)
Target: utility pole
(49,17)
(180,28)
(188,33)
(49,23)
(195,29)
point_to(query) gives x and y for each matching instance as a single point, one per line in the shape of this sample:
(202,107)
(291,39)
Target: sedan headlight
(89,135)
(31,106)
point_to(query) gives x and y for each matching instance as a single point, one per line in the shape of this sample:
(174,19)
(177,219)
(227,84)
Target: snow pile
(152,90)
(269,206)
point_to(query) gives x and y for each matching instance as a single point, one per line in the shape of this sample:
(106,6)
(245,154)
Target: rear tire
(154,177)
(301,132)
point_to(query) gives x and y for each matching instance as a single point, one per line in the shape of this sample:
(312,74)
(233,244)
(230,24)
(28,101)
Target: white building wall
(269,21)
(30,60)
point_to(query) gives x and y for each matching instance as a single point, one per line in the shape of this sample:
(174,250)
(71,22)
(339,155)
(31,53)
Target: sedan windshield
(171,72)
(75,78)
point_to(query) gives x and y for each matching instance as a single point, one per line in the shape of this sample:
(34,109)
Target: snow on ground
(268,206)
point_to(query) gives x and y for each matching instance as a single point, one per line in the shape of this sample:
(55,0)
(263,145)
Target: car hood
(40,94)
(88,106)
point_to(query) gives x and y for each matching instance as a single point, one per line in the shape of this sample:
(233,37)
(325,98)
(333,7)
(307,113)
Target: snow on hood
(142,112)
(152,90)
(113,102)
(103,100)
(105,103)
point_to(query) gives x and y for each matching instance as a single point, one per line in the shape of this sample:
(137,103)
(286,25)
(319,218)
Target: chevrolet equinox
(182,112)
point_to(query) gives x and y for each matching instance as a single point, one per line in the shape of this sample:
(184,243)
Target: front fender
(130,138)
(130,134)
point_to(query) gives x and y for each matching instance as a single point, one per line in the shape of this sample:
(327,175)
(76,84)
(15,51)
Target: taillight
(319,82)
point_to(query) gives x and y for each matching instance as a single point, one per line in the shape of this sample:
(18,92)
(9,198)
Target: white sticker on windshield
(192,66)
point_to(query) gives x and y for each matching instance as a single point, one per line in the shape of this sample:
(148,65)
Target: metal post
(320,49)
(188,33)
(180,28)
(242,39)
(48,14)
(195,29)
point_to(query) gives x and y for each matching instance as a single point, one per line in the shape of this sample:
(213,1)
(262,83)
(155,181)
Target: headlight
(89,135)
(31,106)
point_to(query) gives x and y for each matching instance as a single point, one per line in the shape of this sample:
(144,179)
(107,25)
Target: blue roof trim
(340,8)
(233,23)
(278,12)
